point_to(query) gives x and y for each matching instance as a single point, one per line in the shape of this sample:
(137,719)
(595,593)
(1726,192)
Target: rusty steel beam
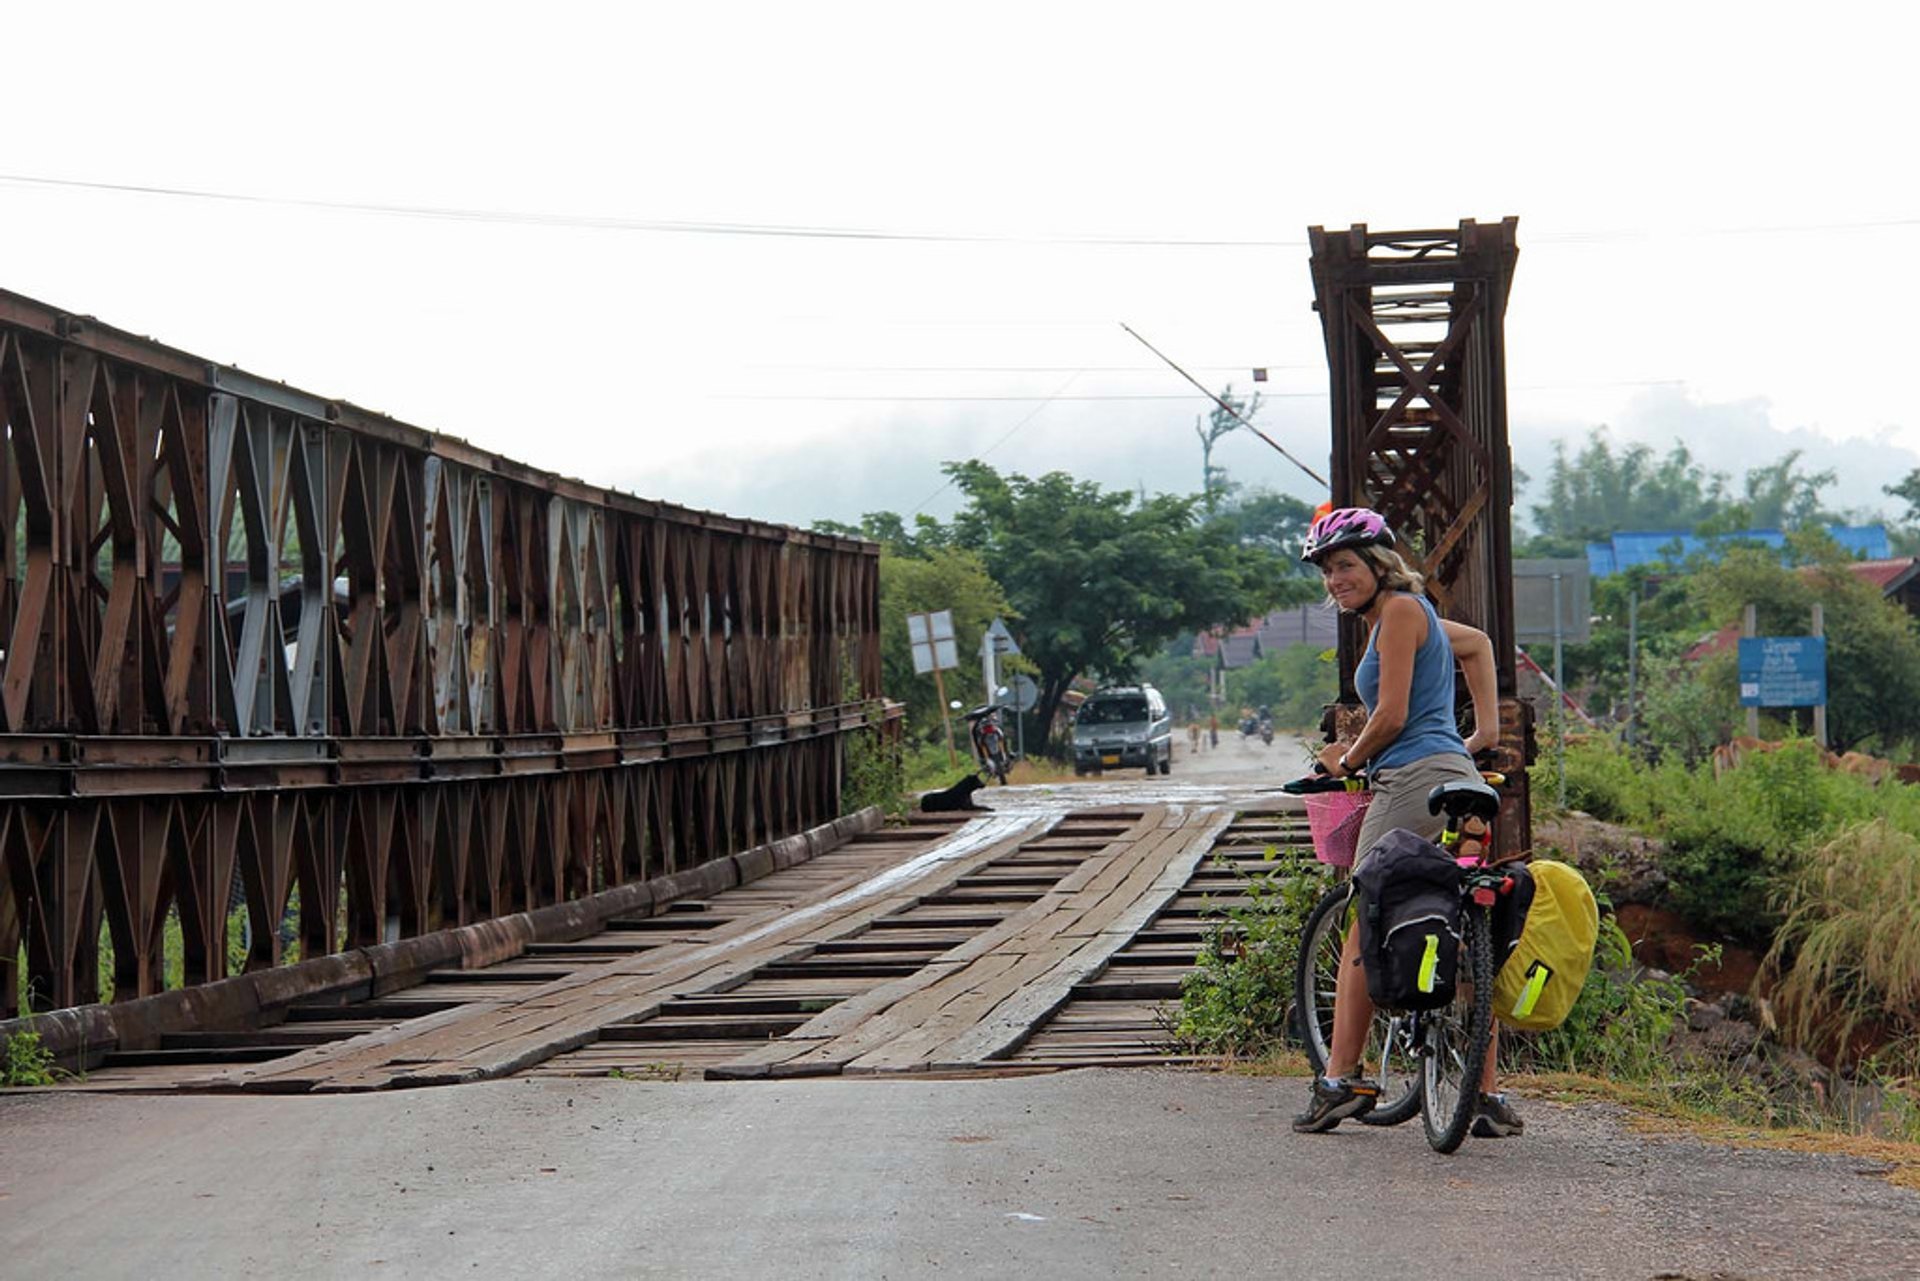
(1414,325)
(265,648)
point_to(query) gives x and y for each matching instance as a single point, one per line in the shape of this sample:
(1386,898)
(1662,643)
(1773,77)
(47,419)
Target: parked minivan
(1123,726)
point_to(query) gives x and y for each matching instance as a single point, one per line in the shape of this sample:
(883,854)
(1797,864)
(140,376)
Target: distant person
(1213,729)
(1408,746)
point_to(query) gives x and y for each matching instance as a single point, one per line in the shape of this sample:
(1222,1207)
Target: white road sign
(931,638)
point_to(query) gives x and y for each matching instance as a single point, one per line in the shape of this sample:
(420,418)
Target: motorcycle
(1266,730)
(989,740)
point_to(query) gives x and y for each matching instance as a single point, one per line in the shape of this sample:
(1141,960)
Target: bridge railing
(264,650)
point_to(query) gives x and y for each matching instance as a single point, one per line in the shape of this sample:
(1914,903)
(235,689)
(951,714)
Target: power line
(1237,415)
(598,222)
(1004,438)
(991,399)
(1181,396)
(1012,369)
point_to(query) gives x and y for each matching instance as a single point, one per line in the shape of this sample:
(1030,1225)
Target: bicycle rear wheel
(1454,1039)
(1389,1040)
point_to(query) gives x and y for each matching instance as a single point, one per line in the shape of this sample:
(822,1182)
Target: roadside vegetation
(27,1063)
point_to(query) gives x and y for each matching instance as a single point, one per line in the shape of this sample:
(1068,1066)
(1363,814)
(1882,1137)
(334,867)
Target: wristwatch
(1345,768)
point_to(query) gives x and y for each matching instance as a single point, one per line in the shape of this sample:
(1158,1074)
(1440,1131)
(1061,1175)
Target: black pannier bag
(1510,913)
(1409,922)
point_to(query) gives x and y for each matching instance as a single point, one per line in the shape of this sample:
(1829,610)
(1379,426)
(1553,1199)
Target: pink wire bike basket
(1334,818)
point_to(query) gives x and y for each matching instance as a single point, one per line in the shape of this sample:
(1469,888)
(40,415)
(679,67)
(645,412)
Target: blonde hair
(1394,573)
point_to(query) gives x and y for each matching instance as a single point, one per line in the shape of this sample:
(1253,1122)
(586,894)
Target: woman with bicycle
(1408,746)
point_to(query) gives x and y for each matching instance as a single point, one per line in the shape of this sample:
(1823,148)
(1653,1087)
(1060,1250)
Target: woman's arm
(1403,629)
(1475,652)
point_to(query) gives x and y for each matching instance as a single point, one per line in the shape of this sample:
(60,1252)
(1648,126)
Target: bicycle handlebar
(1324,782)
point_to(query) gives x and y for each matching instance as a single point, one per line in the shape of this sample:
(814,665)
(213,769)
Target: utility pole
(1749,628)
(1633,661)
(1820,708)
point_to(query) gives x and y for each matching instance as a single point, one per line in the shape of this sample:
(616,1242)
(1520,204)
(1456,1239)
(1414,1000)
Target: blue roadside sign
(1783,671)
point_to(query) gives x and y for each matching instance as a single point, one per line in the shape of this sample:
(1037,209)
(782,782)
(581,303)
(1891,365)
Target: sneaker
(1496,1119)
(1332,1102)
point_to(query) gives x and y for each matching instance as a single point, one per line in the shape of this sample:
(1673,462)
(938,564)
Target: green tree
(1776,495)
(1873,645)
(1906,535)
(1670,620)
(944,578)
(891,532)
(1295,684)
(1102,579)
(1600,491)
(1908,491)
(1181,677)
(1687,709)
(1260,518)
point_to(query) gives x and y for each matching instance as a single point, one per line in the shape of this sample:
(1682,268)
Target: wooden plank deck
(494,1037)
(978,1002)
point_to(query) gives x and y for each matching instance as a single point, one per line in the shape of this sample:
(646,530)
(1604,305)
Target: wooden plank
(1009,978)
(568,1013)
(999,1034)
(839,1035)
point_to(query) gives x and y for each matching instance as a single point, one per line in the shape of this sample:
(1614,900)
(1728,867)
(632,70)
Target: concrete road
(1242,772)
(1085,1174)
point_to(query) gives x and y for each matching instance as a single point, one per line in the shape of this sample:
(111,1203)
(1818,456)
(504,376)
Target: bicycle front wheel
(1389,1040)
(1454,1038)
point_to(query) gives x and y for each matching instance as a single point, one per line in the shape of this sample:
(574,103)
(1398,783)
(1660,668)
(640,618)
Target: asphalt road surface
(1147,1173)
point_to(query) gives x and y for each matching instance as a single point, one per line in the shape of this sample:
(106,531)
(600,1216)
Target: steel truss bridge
(265,646)
(548,778)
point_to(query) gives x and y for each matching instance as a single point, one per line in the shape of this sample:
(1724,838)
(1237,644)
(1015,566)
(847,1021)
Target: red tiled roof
(1727,637)
(1885,574)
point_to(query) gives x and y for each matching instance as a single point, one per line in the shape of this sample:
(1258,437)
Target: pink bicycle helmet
(1345,527)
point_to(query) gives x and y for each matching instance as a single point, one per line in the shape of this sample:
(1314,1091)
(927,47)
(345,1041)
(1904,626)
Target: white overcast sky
(1719,223)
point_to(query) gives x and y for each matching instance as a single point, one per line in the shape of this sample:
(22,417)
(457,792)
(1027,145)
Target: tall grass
(1732,838)
(1847,952)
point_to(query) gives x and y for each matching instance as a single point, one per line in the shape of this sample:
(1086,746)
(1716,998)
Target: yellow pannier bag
(1543,974)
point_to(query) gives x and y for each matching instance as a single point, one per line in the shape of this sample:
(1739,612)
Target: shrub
(875,772)
(1730,839)
(28,1061)
(1238,999)
(1688,708)
(1607,782)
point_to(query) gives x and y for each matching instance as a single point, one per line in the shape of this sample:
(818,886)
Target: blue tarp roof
(1655,547)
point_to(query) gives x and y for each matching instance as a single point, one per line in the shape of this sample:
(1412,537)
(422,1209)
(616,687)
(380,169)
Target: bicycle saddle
(1464,798)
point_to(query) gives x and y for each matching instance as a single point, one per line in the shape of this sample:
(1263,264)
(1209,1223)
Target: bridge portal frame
(1414,327)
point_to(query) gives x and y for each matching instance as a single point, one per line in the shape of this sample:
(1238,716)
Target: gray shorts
(1400,798)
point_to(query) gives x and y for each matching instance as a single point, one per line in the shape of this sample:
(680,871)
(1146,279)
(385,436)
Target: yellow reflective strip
(1537,976)
(1429,963)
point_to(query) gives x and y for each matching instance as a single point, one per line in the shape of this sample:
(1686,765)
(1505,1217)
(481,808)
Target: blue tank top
(1430,728)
